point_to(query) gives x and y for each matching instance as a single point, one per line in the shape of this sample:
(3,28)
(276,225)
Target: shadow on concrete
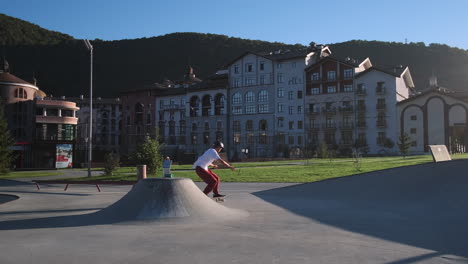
(8,182)
(49,211)
(425,206)
(52,193)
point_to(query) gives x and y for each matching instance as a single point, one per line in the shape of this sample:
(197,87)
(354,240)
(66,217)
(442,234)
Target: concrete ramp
(168,198)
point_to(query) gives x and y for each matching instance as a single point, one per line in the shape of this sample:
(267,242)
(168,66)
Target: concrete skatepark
(415,214)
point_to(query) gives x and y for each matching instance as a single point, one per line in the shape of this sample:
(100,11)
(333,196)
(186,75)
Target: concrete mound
(167,198)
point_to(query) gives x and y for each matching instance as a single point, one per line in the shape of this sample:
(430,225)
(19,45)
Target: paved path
(408,215)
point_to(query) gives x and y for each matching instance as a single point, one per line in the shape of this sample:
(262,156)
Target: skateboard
(219,199)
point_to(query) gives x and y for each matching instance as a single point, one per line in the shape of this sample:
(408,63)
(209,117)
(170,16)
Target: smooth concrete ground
(411,215)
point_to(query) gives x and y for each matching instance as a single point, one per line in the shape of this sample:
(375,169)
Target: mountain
(61,63)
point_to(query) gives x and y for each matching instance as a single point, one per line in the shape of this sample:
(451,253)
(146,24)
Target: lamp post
(90,136)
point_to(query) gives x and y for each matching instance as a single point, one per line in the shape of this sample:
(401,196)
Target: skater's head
(218,145)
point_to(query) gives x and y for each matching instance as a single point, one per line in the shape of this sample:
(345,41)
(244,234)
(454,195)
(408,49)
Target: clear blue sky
(293,21)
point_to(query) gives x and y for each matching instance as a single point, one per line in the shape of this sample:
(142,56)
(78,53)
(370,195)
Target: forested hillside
(61,63)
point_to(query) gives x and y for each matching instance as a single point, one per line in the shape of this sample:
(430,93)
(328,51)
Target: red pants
(209,178)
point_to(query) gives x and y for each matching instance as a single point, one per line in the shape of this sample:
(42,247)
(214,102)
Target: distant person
(202,164)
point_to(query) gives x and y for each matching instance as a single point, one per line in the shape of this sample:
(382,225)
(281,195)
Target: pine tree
(6,141)
(404,144)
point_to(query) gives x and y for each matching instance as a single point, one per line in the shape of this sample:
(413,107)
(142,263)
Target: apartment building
(266,96)
(352,103)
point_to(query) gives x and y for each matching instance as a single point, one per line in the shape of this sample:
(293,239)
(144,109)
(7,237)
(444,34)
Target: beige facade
(434,117)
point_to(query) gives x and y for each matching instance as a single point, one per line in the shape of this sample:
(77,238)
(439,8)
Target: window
(182,127)
(291,140)
(299,109)
(262,66)
(249,81)
(237,110)
(248,67)
(206,138)
(263,108)
(262,139)
(329,122)
(250,138)
(331,75)
(262,79)
(280,121)
(331,89)
(21,93)
(291,124)
(291,110)
(250,97)
(249,125)
(236,68)
(300,124)
(280,78)
(381,138)
(263,96)
(315,76)
(280,93)
(250,109)
(315,90)
(207,126)
(290,95)
(348,88)
(237,138)
(413,130)
(262,125)
(280,107)
(279,65)
(237,82)
(236,126)
(313,108)
(299,94)
(348,73)
(237,98)
(299,140)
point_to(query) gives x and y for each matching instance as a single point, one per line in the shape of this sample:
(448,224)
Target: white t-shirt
(206,159)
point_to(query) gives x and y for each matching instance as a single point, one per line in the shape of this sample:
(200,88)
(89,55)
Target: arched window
(237,98)
(250,97)
(206,105)
(263,96)
(219,104)
(194,105)
(21,93)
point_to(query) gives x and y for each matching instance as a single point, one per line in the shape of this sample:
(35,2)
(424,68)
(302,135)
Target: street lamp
(90,136)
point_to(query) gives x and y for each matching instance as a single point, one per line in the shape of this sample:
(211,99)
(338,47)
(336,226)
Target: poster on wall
(64,156)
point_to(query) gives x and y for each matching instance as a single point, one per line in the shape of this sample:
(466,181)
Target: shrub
(112,161)
(149,154)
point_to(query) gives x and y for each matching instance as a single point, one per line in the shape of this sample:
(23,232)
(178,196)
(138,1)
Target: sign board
(64,156)
(439,153)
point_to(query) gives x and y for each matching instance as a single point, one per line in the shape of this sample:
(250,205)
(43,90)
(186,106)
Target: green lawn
(290,170)
(29,174)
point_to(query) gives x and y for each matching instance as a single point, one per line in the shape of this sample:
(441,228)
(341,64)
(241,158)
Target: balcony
(56,120)
(381,123)
(346,109)
(313,112)
(380,90)
(346,125)
(329,125)
(380,106)
(172,107)
(361,91)
(329,110)
(361,124)
(314,127)
(361,108)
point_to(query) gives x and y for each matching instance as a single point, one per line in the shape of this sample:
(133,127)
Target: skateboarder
(202,164)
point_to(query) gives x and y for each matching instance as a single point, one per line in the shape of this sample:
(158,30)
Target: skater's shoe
(218,195)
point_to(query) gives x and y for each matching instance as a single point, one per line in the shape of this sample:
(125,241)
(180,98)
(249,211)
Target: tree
(388,143)
(404,144)
(6,141)
(149,154)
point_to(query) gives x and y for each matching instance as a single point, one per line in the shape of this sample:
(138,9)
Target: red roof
(10,78)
